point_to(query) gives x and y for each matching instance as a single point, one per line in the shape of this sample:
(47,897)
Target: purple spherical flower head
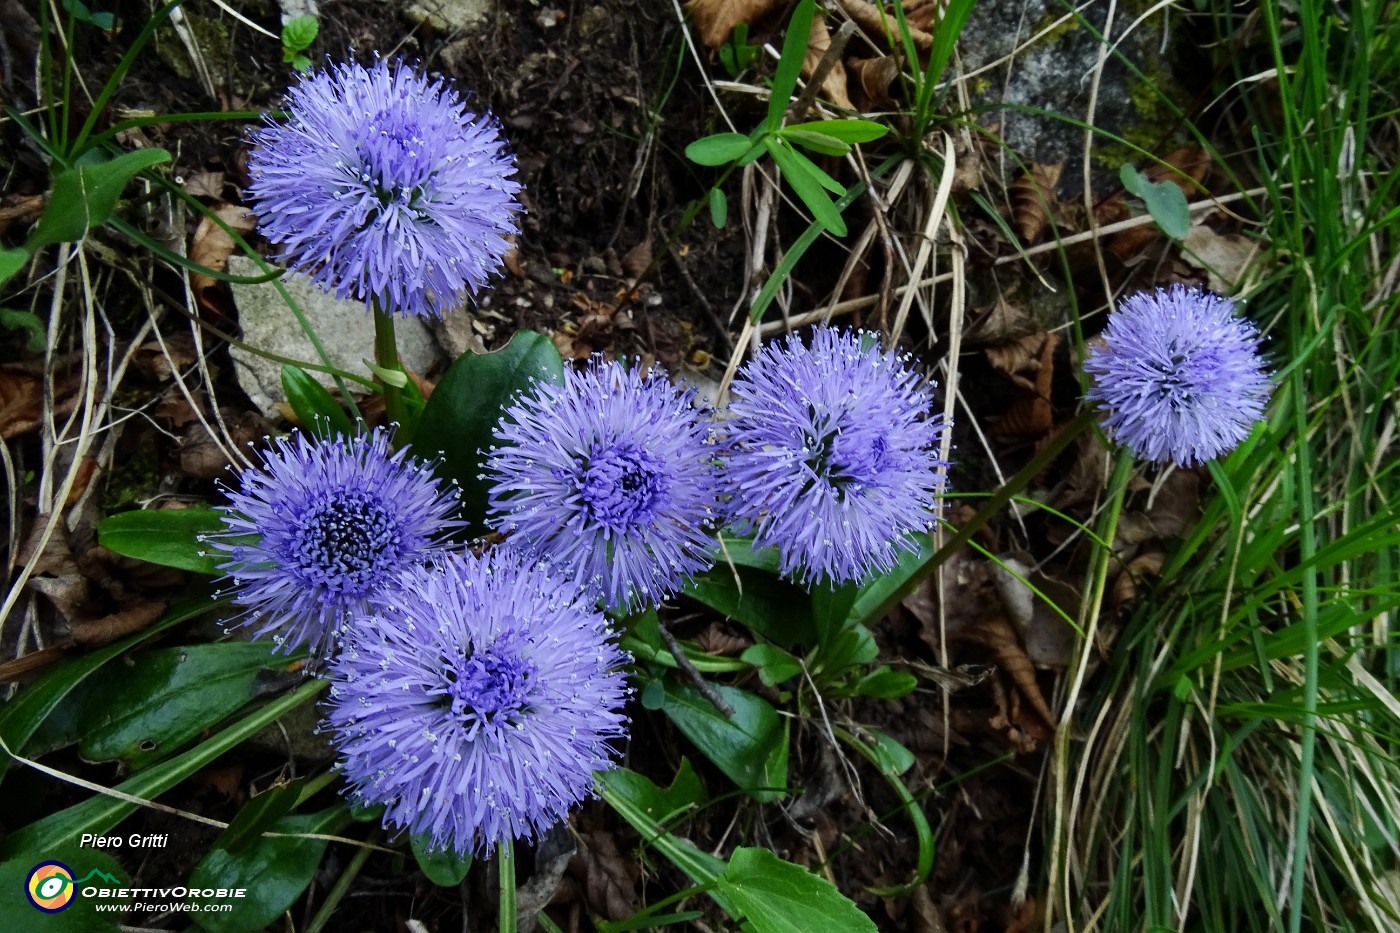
(611,478)
(1181,375)
(381,186)
(832,456)
(477,704)
(324,526)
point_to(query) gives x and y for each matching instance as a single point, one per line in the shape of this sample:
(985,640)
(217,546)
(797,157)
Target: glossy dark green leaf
(85,196)
(258,815)
(890,756)
(169,537)
(830,608)
(775,896)
(163,698)
(774,664)
(718,149)
(442,867)
(751,748)
(317,410)
(1163,199)
(879,588)
(849,647)
(99,813)
(22,716)
(799,34)
(885,684)
(774,608)
(274,871)
(460,417)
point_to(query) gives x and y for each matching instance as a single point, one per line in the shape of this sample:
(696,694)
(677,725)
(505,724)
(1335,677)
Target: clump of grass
(1237,768)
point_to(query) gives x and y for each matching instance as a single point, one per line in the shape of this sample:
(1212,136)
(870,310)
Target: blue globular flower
(319,528)
(477,704)
(381,186)
(1180,374)
(832,455)
(611,477)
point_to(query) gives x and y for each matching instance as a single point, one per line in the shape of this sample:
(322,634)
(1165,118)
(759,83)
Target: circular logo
(50,887)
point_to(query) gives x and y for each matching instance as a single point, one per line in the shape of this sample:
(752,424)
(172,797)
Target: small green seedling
(297,36)
(737,55)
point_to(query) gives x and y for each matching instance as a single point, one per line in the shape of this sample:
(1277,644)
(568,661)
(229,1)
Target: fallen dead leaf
(834,84)
(211,246)
(607,880)
(715,20)
(1224,257)
(1003,322)
(1032,198)
(1170,511)
(94,633)
(998,635)
(1125,588)
(873,77)
(878,25)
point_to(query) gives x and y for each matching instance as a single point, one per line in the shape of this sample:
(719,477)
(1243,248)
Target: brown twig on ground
(696,679)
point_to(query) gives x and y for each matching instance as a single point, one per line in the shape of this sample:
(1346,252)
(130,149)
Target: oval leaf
(273,872)
(442,867)
(847,131)
(718,149)
(751,748)
(1163,200)
(317,410)
(779,897)
(460,418)
(169,537)
(85,196)
(719,208)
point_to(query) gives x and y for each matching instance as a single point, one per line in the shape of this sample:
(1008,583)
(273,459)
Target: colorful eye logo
(50,887)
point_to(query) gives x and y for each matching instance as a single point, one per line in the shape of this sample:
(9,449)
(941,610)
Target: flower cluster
(1180,374)
(381,186)
(478,703)
(833,457)
(612,477)
(320,529)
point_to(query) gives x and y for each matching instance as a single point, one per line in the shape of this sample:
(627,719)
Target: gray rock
(1055,74)
(344,327)
(450,16)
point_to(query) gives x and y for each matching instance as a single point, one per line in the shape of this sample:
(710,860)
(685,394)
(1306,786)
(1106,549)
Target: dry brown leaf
(205,185)
(877,25)
(1002,322)
(607,879)
(21,210)
(211,246)
(715,20)
(834,84)
(1224,257)
(1172,510)
(21,402)
(94,633)
(1017,358)
(1087,474)
(1031,414)
(1125,588)
(873,77)
(925,15)
(637,260)
(1032,198)
(998,635)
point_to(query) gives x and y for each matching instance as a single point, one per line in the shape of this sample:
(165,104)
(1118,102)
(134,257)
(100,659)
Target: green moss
(132,478)
(1059,32)
(1156,123)
(212,37)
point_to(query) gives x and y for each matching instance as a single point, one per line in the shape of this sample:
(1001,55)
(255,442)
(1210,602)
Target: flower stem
(386,355)
(505,870)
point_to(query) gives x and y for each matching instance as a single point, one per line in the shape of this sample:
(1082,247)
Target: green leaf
(885,684)
(443,867)
(847,131)
(718,149)
(22,716)
(11,261)
(11,319)
(779,897)
(719,208)
(83,14)
(1163,200)
(799,34)
(317,410)
(85,196)
(751,748)
(774,664)
(799,172)
(297,35)
(258,815)
(99,813)
(817,142)
(774,608)
(874,594)
(140,712)
(649,808)
(169,537)
(830,608)
(890,756)
(274,871)
(460,417)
